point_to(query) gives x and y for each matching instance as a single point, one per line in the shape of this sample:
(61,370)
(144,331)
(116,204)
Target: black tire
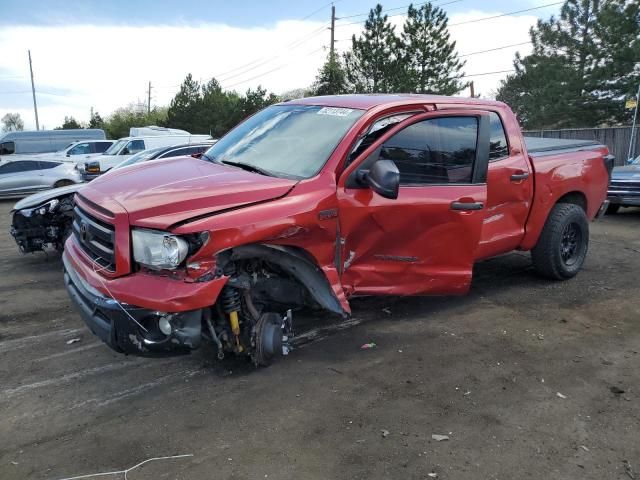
(613,208)
(63,183)
(563,244)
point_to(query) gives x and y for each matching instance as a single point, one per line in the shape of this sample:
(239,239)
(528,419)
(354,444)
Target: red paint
(412,245)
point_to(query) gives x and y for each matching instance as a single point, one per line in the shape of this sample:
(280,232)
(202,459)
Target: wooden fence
(616,138)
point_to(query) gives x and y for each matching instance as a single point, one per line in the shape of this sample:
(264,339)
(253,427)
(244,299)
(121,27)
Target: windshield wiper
(248,167)
(207,157)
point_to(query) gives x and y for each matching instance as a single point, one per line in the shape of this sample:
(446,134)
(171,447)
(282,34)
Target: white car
(140,139)
(87,148)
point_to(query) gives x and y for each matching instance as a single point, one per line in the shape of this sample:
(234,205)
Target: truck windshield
(291,141)
(115,148)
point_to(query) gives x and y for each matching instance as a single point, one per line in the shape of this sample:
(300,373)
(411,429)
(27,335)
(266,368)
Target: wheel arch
(576,198)
(299,264)
(540,212)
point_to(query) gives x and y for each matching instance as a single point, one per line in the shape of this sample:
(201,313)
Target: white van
(29,142)
(139,139)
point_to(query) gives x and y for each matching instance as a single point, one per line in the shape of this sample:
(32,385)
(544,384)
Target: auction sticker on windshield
(335,111)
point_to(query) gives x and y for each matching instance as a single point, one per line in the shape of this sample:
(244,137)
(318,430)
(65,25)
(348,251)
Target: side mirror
(125,151)
(384,179)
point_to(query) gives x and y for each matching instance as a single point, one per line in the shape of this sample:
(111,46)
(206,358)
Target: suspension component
(231,304)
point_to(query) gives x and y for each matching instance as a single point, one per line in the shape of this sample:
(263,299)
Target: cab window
(434,151)
(80,149)
(135,146)
(7,148)
(498,147)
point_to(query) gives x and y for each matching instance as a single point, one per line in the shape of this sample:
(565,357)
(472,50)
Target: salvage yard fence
(616,138)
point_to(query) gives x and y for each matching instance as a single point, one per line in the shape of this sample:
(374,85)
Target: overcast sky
(102,54)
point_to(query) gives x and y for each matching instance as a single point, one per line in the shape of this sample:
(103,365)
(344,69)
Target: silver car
(19,178)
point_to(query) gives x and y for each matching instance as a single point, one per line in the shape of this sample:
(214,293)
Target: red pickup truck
(310,202)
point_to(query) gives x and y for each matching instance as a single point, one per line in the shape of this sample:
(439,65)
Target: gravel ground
(518,374)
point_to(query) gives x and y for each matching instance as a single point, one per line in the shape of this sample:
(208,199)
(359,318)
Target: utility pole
(333,31)
(33,90)
(632,141)
(149,100)
(473,90)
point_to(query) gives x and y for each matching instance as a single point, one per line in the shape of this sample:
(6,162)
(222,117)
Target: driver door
(424,241)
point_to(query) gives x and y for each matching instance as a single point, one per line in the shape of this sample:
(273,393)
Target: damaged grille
(96,238)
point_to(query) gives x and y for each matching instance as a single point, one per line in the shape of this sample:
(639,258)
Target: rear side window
(18,167)
(7,148)
(498,147)
(100,147)
(434,151)
(47,165)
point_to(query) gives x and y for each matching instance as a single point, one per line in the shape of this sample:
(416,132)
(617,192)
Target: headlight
(158,250)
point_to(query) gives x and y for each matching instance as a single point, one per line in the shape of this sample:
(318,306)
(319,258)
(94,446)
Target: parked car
(313,201)
(43,141)
(84,148)
(140,139)
(624,190)
(43,220)
(19,178)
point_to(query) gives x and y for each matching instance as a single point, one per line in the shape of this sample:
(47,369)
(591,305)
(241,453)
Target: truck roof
(372,100)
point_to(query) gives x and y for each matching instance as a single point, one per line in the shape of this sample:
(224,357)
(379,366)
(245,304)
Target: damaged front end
(42,227)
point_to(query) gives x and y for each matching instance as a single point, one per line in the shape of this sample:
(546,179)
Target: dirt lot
(484,369)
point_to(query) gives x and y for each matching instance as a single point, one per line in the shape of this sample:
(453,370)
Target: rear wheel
(63,183)
(562,247)
(613,208)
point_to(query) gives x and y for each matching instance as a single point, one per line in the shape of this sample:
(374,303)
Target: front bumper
(128,328)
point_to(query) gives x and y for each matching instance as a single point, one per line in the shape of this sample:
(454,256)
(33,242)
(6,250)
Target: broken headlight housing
(158,250)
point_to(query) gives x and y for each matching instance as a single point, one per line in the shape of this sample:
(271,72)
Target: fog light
(164,325)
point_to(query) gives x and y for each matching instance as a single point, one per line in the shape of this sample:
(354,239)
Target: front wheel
(562,246)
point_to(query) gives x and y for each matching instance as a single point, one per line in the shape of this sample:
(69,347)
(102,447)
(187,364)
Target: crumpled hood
(162,193)
(626,172)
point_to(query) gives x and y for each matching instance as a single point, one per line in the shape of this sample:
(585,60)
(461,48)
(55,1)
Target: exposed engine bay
(45,226)
(251,317)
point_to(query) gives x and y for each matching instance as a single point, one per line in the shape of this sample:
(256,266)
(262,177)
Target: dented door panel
(415,244)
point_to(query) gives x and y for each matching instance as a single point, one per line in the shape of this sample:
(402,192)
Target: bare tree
(12,122)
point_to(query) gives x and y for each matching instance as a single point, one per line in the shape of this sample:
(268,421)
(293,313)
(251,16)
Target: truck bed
(538,146)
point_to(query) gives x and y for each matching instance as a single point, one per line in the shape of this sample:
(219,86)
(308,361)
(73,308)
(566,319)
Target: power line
(395,15)
(494,49)
(505,14)
(253,65)
(286,46)
(488,73)
(387,10)
(270,71)
(318,10)
(471,21)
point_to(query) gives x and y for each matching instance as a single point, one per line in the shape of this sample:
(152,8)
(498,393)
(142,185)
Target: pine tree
(370,66)
(583,66)
(185,107)
(96,121)
(428,56)
(331,78)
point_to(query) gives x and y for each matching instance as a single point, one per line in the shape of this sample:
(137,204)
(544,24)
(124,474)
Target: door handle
(516,177)
(467,205)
